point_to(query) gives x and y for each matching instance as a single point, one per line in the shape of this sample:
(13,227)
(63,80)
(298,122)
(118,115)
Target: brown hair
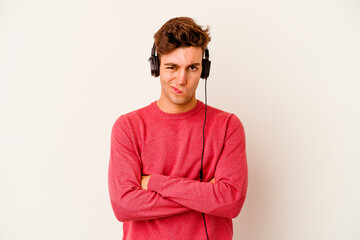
(180,32)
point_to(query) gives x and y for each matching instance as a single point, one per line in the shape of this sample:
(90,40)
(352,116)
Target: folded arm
(129,201)
(226,196)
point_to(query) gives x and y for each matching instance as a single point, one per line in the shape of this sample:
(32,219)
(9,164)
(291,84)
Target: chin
(179,100)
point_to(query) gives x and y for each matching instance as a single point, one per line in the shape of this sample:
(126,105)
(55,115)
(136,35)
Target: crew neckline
(199,105)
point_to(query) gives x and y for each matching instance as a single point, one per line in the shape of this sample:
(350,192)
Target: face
(180,73)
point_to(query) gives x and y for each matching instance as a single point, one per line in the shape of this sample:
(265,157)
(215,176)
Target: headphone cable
(202,155)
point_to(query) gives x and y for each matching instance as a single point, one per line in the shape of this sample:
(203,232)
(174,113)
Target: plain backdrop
(288,69)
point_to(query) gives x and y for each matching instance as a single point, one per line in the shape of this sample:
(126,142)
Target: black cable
(202,155)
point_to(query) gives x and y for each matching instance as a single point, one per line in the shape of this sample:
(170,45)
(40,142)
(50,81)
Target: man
(155,184)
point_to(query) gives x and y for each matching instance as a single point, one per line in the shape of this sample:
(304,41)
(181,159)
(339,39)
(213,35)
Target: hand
(212,180)
(144,181)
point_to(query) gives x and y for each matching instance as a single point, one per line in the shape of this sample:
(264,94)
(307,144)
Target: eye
(193,68)
(170,67)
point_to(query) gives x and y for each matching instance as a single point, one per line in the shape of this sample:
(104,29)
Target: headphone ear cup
(154,66)
(206,63)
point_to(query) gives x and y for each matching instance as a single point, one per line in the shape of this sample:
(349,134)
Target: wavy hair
(180,32)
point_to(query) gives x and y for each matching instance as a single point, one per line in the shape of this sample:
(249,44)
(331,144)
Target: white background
(288,69)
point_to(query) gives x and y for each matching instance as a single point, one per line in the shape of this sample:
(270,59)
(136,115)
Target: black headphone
(155,64)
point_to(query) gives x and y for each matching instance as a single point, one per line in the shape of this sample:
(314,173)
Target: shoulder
(216,112)
(133,118)
(221,115)
(228,121)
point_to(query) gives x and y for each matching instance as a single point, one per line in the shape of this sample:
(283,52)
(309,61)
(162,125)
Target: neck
(176,108)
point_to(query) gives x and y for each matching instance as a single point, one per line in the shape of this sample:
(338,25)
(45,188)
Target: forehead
(183,56)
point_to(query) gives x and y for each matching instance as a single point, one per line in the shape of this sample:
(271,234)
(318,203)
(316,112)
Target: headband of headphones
(155,64)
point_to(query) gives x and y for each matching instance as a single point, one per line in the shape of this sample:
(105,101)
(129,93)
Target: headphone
(155,64)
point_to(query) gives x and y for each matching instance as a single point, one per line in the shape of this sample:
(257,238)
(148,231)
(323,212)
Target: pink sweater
(167,146)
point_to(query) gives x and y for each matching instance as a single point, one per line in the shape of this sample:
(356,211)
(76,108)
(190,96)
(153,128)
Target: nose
(182,77)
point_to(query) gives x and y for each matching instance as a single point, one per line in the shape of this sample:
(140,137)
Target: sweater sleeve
(129,201)
(226,196)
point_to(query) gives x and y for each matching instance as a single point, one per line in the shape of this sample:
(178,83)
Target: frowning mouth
(176,90)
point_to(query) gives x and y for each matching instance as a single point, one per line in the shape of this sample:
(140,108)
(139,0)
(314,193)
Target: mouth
(176,90)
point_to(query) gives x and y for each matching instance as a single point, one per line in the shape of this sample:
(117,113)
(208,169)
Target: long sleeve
(129,201)
(226,196)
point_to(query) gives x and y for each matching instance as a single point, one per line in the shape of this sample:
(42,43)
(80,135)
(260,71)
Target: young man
(155,184)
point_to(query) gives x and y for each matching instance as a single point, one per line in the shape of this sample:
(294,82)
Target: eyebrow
(174,64)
